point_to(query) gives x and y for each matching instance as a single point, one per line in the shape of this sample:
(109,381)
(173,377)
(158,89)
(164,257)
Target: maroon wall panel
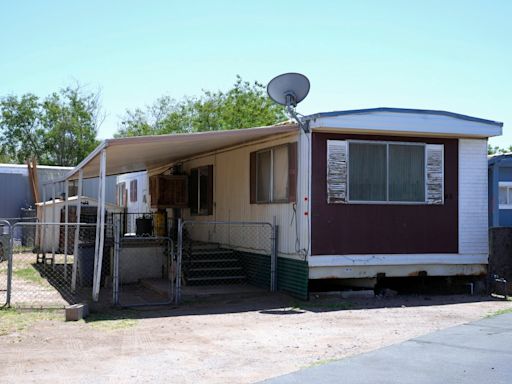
(339,229)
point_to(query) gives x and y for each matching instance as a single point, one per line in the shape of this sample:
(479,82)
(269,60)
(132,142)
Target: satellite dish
(288,89)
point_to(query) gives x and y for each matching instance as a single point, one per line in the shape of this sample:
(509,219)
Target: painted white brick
(473,217)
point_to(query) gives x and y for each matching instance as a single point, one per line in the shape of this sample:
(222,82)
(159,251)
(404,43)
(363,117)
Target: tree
(70,119)
(245,105)
(21,133)
(496,150)
(59,130)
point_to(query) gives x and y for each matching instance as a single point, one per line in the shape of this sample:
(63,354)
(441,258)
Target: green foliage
(245,105)
(497,150)
(59,130)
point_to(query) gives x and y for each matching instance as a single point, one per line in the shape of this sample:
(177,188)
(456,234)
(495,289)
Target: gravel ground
(236,341)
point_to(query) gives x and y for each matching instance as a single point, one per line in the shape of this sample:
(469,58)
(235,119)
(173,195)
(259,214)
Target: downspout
(495,200)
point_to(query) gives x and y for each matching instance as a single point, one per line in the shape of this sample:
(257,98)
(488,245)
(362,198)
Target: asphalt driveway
(478,352)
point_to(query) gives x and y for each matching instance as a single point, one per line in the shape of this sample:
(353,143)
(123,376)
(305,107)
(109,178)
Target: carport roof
(132,154)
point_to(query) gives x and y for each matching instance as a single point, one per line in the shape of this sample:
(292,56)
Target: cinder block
(76,312)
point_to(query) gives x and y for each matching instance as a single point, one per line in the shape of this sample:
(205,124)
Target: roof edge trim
(404,110)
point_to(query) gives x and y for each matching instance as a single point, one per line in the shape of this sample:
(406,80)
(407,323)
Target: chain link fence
(220,257)
(44,270)
(42,267)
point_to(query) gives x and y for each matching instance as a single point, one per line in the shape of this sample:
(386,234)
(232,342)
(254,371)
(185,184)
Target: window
(273,174)
(201,190)
(133,191)
(121,194)
(505,197)
(384,172)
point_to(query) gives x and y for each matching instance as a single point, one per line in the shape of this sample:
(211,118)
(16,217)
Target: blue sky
(449,55)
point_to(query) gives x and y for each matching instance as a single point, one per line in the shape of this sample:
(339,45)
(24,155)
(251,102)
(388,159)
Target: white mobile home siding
(231,196)
(473,208)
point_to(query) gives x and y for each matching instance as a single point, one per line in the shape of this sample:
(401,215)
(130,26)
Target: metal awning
(132,154)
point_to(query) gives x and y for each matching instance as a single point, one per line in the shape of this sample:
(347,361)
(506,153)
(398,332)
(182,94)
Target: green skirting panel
(256,268)
(292,277)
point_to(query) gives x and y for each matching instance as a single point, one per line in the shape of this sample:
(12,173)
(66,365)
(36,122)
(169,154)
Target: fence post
(273,257)
(178,261)
(9,266)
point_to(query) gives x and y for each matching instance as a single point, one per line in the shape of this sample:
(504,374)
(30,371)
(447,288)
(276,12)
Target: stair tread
(212,260)
(211,251)
(216,278)
(216,269)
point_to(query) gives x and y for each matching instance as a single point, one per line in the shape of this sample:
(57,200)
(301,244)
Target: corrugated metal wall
(15,192)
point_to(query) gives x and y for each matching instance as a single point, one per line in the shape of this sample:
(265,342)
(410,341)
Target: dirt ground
(241,340)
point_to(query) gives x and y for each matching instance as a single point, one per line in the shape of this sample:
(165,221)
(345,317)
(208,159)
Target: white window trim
(387,201)
(508,185)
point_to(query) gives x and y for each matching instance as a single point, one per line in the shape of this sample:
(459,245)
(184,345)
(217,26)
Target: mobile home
(354,194)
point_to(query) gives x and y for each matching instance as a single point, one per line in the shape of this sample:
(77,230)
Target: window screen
(504,195)
(201,190)
(367,172)
(280,174)
(133,191)
(263,176)
(406,172)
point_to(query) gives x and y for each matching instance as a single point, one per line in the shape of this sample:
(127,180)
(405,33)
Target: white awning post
(66,222)
(54,220)
(77,230)
(42,244)
(100,227)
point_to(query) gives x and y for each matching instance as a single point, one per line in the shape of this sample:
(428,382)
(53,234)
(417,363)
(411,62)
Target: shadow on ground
(277,304)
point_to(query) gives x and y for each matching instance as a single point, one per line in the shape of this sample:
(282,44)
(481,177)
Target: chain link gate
(225,257)
(144,269)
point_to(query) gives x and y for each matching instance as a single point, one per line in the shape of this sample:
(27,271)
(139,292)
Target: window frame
(508,186)
(387,201)
(271,184)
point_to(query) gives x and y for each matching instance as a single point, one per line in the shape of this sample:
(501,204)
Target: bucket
(144,226)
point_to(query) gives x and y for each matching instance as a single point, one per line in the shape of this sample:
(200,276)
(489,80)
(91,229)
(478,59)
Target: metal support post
(77,230)
(42,240)
(100,229)
(54,220)
(115,277)
(9,261)
(66,222)
(178,261)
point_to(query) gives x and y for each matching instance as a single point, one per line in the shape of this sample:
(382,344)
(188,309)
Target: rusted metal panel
(338,229)
(359,272)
